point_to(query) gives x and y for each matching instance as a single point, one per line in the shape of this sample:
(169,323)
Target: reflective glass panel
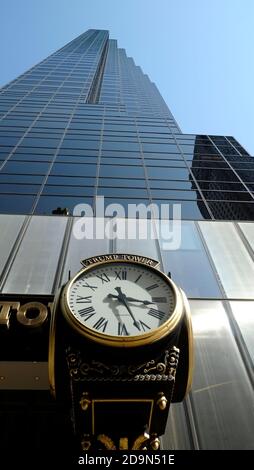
(14,204)
(48,204)
(121,171)
(190,210)
(73,169)
(26,167)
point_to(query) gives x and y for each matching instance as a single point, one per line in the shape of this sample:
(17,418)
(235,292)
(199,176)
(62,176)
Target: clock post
(121,350)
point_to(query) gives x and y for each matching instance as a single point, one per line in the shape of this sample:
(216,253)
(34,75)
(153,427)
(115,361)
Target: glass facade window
(15,204)
(73,169)
(48,204)
(190,210)
(26,167)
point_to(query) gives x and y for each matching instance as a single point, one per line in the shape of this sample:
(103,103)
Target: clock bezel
(150,337)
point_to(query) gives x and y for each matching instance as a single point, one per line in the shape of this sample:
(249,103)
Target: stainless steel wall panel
(248,231)
(34,267)
(222,396)
(79,249)
(189,264)
(139,244)
(244,315)
(177,434)
(10,226)
(231,259)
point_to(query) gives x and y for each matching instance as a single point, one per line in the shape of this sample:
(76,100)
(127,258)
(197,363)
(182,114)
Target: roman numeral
(84,300)
(91,287)
(153,286)
(144,326)
(138,277)
(103,277)
(87,312)
(122,331)
(159,300)
(156,313)
(101,324)
(121,275)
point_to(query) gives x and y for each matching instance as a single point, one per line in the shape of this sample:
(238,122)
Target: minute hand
(145,302)
(123,299)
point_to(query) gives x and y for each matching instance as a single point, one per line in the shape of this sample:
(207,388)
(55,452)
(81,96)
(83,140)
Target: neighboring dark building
(87,122)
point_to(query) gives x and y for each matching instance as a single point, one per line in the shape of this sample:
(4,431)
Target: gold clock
(122,303)
(120,351)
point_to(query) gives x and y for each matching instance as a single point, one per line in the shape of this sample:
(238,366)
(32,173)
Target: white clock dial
(120,299)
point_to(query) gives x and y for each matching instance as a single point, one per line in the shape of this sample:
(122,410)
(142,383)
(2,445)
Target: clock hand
(131,299)
(122,298)
(112,296)
(145,302)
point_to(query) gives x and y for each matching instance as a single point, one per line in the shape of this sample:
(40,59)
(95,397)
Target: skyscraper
(86,122)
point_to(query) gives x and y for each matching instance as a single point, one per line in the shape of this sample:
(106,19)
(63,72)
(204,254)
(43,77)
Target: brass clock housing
(178,326)
(131,341)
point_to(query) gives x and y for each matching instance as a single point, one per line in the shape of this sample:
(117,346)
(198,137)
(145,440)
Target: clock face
(119,301)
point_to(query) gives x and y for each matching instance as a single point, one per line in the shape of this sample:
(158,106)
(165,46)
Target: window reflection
(14,204)
(190,210)
(216,181)
(47,204)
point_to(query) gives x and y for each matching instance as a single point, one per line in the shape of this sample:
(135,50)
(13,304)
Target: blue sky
(200,53)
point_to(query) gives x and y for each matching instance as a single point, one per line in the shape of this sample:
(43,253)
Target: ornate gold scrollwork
(162,401)
(140,441)
(123,443)
(160,369)
(106,441)
(84,401)
(85,442)
(155,442)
